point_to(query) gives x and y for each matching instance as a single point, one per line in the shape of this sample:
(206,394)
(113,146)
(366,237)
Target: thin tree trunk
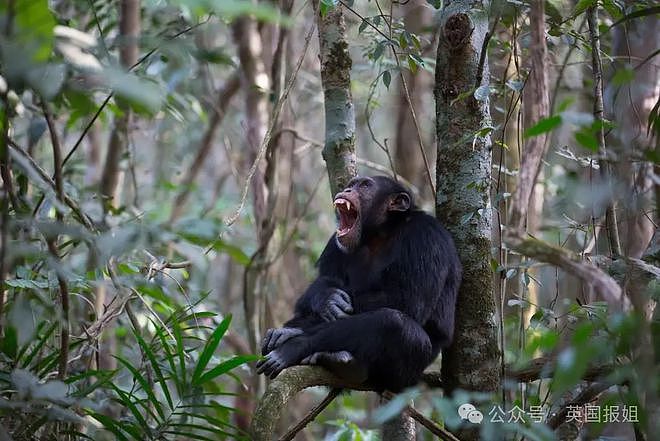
(597,67)
(339,150)
(539,105)
(463,176)
(129,31)
(408,161)
(256,83)
(218,113)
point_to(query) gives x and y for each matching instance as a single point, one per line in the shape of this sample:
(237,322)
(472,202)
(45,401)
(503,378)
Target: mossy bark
(339,149)
(463,176)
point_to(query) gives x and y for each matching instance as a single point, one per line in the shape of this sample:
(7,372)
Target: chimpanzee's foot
(288,354)
(341,363)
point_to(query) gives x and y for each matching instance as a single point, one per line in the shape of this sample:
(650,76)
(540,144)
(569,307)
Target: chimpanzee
(383,304)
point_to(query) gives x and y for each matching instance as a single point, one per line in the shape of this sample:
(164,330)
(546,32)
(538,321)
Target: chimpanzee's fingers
(344,306)
(280,338)
(275,372)
(337,311)
(261,365)
(266,344)
(344,295)
(266,366)
(328,315)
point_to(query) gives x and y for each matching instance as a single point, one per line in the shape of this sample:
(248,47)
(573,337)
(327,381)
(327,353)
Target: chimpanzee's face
(365,204)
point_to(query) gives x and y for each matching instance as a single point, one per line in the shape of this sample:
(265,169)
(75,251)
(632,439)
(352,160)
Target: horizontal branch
(281,390)
(590,274)
(295,379)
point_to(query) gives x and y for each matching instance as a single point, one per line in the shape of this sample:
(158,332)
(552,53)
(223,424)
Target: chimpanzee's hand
(337,306)
(276,337)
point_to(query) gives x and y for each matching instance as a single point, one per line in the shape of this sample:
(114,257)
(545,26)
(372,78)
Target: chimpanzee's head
(368,205)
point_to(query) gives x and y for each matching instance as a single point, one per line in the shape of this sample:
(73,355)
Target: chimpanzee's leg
(341,363)
(392,347)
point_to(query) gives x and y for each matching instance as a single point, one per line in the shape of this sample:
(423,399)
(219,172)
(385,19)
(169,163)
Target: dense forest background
(167,169)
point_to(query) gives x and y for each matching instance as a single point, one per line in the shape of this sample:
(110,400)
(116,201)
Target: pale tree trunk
(629,106)
(408,161)
(538,107)
(339,149)
(255,83)
(129,31)
(463,176)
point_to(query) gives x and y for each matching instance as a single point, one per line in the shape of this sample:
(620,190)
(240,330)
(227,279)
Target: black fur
(388,303)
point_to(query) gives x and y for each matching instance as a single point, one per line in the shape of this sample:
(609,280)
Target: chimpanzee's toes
(273,364)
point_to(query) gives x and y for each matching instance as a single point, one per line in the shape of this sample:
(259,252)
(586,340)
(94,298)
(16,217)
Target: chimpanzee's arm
(323,301)
(326,297)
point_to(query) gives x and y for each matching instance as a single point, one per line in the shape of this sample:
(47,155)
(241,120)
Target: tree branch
(591,275)
(291,433)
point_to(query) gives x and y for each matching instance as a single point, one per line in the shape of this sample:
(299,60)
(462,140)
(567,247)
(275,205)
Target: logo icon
(468,412)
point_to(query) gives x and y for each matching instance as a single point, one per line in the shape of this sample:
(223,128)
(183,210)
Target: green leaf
(403,42)
(623,76)
(210,347)
(171,360)
(613,9)
(110,425)
(226,366)
(36,26)
(146,388)
(587,140)
(378,52)
(41,341)
(363,25)
(412,64)
(327,5)
(582,6)
(135,404)
(146,350)
(637,14)
(142,95)
(543,126)
(387,78)
(9,342)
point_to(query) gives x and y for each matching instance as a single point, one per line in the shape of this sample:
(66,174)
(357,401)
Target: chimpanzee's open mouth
(347,216)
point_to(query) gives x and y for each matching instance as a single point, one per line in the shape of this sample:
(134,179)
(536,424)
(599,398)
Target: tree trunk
(463,174)
(255,83)
(129,31)
(339,150)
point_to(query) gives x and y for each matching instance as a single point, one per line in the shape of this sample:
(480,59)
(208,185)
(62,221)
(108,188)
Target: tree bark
(339,149)
(255,83)
(463,175)
(129,31)
(539,108)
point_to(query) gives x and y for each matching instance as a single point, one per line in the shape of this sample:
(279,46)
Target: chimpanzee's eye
(365,184)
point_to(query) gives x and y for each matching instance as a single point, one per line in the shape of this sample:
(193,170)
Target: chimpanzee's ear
(399,202)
